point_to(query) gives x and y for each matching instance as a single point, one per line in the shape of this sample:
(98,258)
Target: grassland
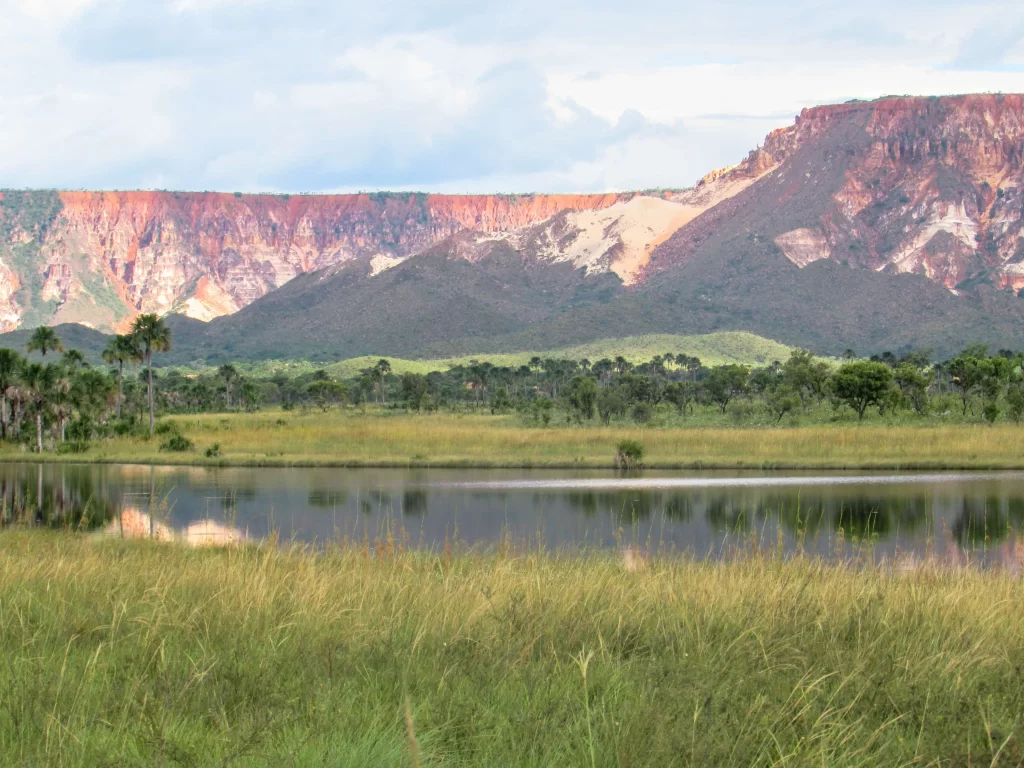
(712,349)
(350,438)
(132,653)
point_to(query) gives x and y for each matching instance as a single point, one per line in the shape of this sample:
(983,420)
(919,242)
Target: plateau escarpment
(903,185)
(876,224)
(99,258)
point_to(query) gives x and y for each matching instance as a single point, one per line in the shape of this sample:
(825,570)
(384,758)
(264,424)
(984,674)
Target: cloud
(988,46)
(454,95)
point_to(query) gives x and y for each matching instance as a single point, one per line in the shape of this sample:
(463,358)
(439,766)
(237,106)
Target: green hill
(712,349)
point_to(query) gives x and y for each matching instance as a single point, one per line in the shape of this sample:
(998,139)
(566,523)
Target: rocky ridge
(921,186)
(99,258)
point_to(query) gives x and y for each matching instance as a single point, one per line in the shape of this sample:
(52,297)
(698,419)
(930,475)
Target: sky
(452,95)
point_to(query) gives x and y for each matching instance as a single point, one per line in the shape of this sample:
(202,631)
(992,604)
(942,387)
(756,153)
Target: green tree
(38,381)
(862,384)
(73,360)
(501,402)
(780,400)
(229,374)
(913,384)
(968,372)
(44,339)
(92,391)
(611,403)
(541,409)
(380,374)
(120,349)
(1015,401)
(326,393)
(681,394)
(726,382)
(414,388)
(250,395)
(61,401)
(583,397)
(806,375)
(10,369)
(151,335)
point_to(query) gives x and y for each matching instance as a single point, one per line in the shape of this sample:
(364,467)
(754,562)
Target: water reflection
(75,498)
(131,523)
(955,516)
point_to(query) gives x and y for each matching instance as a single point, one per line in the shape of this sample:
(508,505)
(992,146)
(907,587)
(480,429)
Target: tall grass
(144,654)
(381,439)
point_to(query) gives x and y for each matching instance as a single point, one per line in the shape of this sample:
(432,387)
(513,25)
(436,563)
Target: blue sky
(451,95)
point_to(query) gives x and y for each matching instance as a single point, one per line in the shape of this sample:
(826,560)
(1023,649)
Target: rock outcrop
(927,186)
(99,258)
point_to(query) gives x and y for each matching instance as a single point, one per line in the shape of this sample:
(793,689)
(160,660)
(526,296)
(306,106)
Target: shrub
(1015,401)
(990,412)
(630,454)
(166,428)
(177,443)
(642,413)
(213,451)
(73,446)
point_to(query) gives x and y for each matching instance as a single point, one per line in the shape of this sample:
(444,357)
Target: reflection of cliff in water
(131,523)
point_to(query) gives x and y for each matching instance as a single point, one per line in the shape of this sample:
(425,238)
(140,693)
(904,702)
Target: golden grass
(349,438)
(141,653)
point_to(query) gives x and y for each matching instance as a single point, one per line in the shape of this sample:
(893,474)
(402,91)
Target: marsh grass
(398,439)
(139,653)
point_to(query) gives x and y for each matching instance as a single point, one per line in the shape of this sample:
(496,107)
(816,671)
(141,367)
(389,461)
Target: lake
(952,515)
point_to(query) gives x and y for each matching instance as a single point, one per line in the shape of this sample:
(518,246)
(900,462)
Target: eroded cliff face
(100,258)
(930,186)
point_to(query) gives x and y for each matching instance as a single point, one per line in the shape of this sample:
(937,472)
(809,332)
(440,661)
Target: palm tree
(43,340)
(10,368)
(92,394)
(38,382)
(73,360)
(229,373)
(61,402)
(121,349)
(151,335)
(380,372)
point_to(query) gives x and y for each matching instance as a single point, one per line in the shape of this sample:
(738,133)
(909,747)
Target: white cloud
(456,96)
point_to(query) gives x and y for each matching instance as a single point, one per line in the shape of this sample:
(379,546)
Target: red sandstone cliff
(108,255)
(924,185)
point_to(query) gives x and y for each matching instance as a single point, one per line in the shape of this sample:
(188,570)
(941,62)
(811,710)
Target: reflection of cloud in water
(132,523)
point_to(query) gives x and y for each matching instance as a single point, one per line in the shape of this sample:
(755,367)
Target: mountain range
(873,225)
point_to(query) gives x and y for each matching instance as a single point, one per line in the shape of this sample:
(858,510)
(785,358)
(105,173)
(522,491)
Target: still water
(951,515)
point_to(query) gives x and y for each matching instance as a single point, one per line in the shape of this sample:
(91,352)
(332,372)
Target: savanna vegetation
(145,654)
(888,411)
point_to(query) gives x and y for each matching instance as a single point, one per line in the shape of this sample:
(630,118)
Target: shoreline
(274,463)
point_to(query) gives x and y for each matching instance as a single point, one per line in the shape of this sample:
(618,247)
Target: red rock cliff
(107,255)
(925,185)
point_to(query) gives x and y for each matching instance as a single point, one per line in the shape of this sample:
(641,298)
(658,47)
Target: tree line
(71,402)
(974,383)
(68,395)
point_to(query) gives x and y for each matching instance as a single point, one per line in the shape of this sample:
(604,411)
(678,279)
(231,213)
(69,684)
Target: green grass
(713,349)
(132,653)
(397,439)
